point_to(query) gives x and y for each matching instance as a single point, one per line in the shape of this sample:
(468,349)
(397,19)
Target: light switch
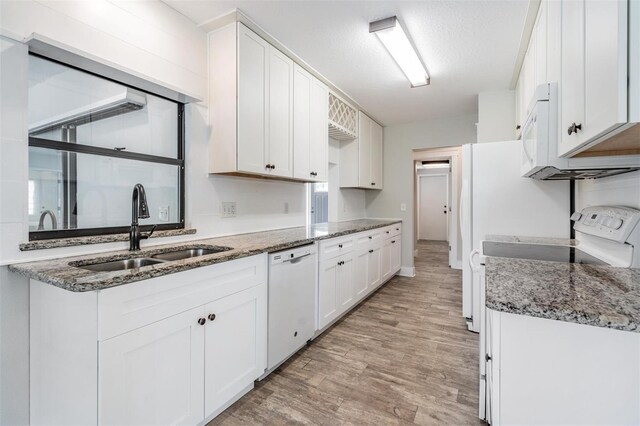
(228,209)
(163,214)
(403,207)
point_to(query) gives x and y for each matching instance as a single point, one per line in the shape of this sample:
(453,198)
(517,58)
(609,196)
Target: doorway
(433,205)
(318,203)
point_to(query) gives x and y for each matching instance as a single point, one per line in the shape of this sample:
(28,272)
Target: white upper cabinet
(258,119)
(252,105)
(310,134)
(594,71)
(280,112)
(361,159)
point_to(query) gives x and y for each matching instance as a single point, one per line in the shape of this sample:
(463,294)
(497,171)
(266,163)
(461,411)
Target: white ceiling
(469,46)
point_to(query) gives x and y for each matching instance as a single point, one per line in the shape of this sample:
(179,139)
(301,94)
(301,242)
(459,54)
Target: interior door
(154,375)
(253,100)
(280,141)
(235,345)
(433,207)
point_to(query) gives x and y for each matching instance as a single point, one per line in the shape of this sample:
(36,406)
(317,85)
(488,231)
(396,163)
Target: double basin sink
(139,262)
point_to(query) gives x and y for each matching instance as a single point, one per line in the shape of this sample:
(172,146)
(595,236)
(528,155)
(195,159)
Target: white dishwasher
(293,278)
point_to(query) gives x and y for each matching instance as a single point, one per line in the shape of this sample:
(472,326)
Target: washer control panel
(611,222)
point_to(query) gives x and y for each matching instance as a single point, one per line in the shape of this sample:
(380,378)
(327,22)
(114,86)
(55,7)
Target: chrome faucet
(54,221)
(139,210)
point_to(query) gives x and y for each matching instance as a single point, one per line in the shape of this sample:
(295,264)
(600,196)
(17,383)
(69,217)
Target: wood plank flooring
(404,356)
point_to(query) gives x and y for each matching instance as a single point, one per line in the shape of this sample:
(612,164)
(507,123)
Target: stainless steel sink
(189,253)
(121,265)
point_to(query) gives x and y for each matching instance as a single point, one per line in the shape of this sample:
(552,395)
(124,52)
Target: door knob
(211,317)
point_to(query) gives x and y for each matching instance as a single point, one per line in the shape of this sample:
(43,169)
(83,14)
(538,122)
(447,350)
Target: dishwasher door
(292,302)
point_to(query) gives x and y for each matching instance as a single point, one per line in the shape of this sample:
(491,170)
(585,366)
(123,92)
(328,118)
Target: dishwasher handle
(296,259)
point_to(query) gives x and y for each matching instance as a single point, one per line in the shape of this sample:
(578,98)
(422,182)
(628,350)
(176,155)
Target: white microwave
(540,158)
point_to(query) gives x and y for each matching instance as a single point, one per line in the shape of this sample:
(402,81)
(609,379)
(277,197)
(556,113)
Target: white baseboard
(407,271)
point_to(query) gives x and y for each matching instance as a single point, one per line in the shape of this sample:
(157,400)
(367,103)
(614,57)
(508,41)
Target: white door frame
(454,155)
(419,201)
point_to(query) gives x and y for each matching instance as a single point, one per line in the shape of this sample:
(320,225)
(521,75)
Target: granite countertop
(60,273)
(602,296)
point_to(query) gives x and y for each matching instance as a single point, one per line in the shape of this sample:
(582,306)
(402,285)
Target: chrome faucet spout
(54,221)
(139,210)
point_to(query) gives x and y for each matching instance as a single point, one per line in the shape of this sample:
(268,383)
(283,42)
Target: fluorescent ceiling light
(395,39)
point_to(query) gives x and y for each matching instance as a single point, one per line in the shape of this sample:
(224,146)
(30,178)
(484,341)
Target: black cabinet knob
(273,166)
(201,321)
(393,241)
(211,317)
(574,128)
(373,184)
(340,245)
(518,127)
(370,251)
(268,166)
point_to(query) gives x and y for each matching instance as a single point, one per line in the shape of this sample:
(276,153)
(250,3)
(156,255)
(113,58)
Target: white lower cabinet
(347,278)
(177,349)
(542,371)
(336,288)
(234,342)
(154,375)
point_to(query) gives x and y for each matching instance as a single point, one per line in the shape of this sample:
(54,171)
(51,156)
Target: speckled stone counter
(98,239)
(61,273)
(601,296)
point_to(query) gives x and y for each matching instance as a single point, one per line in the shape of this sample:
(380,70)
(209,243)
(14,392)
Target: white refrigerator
(496,199)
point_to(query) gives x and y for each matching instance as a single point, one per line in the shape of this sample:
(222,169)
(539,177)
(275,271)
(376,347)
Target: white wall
(344,203)
(621,190)
(147,37)
(496,115)
(399,142)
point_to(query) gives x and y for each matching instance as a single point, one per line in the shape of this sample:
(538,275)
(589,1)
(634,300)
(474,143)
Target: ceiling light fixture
(396,41)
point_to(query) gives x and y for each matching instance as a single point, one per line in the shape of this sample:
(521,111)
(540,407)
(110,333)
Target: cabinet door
(364,151)
(328,308)
(253,100)
(154,375)
(346,287)
(540,30)
(385,260)
(376,156)
(235,345)
(319,145)
(374,270)
(302,81)
(572,73)
(360,268)
(605,62)
(280,124)
(396,254)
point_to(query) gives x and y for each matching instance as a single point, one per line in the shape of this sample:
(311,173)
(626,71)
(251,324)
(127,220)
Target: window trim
(87,149)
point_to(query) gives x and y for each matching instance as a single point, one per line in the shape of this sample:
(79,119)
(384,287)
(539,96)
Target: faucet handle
(144,237)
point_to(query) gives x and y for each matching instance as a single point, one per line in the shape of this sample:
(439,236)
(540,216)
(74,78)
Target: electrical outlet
(403,207)
(163,214)
(228,209)
(286,208)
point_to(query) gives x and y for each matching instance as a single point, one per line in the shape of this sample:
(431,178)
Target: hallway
(404,356)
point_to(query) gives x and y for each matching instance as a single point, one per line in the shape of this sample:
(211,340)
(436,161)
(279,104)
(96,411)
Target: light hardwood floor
(404,356)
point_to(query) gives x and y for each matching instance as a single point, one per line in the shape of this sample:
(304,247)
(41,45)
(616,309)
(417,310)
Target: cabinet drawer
(336,246)
(391,230)
(369,239)
(124,308)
